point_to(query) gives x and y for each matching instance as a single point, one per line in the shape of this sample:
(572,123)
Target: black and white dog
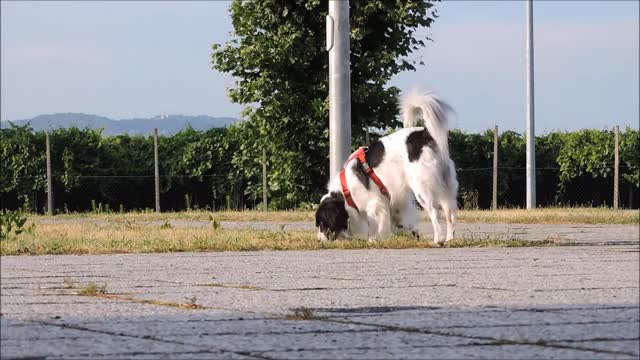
(411,164)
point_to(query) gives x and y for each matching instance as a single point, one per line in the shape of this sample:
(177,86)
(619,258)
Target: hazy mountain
(166,124)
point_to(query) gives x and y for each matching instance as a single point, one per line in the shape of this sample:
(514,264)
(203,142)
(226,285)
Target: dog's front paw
(322,237)
(372,240)
(438,242)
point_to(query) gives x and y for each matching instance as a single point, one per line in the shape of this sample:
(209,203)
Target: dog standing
(412,164)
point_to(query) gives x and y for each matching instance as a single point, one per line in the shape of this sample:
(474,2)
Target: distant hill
(166,124)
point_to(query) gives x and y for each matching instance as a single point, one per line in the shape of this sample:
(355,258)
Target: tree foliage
(278,58)
(22,162)
(574,168)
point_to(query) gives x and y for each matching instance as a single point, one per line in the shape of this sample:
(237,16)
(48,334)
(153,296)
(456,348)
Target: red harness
(360,154)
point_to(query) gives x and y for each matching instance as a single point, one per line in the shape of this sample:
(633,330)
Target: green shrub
(12,223)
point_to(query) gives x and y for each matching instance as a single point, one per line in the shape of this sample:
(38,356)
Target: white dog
(375,193)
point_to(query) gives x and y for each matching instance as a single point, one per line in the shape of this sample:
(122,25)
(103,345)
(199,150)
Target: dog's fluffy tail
(434,113)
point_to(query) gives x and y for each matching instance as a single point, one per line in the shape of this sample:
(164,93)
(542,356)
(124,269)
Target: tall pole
(339,84)
(616,164)
(264,179)
(531,132)
(156,168)
(49,180)
(494,198)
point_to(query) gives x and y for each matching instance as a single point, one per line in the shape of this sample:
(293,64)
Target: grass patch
(490,242)
(117,237)
(577,215)
(213,217)
(552,216)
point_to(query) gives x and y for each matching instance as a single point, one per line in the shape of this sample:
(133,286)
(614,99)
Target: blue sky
(140,59)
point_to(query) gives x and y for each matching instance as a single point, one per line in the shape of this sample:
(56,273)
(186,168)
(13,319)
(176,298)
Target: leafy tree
(279,60)
(586,152)
(22,166)
(630,156)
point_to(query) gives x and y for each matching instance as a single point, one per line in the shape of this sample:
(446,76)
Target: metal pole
(264,179)
(49,180)
(616,164)
(531,132)
(339,85)
(494,200)
(156,168)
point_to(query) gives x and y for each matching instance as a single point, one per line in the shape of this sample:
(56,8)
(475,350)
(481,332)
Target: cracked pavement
(550,302)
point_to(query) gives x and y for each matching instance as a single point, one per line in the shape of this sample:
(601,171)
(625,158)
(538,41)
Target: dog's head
(332,219)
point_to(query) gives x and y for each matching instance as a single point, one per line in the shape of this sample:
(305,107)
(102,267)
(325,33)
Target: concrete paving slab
(322,341)
(105,344)
(216,328)
(630,346)
(551,302)
(151,355)
(458,352)
(432,320)
(572,331)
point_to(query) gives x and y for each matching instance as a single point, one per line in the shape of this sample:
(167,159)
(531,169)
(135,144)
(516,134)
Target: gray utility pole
(531,131)
(339,85)
(49,180)
(494,197)
(616,165)
(156,168)
(264,180)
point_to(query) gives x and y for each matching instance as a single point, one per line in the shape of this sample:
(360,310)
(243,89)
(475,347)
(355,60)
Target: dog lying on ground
(375,194)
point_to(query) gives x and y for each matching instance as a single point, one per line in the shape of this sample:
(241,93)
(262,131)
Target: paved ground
(552,302)
(573,233)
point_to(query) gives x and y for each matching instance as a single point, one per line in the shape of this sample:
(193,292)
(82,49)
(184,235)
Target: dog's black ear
(332,217)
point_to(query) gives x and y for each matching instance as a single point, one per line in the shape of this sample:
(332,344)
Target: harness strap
(346,192)
(369,171)
(356,154)
(360,155)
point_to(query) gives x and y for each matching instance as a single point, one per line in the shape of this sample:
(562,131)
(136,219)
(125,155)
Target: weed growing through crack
(68,283)
(92,289)
(192,303)
(215,224)
(301,313)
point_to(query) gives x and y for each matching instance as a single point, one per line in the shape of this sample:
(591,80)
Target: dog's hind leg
(421,189)
(450,216)
(431,209)
(379,220)
(433,215)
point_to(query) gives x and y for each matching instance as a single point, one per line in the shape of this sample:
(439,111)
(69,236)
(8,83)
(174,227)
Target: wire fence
(221,188)
(179,192)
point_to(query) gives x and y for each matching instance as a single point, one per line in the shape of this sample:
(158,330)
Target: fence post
(264,179)
(49,180)
(156,168)
(616,163)
(494,198)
